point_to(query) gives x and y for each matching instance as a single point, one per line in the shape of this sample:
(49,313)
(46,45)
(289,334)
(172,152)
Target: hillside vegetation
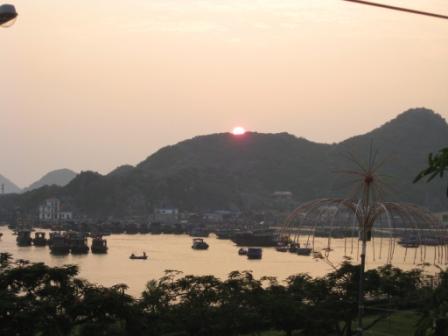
(223,171)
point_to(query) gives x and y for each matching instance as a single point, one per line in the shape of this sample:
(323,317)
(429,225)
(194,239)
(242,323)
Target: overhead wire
(401,9)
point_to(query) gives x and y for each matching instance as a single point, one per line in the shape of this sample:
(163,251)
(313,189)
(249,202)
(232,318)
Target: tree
(241,304)
(434,319)
(107,311)
(36,299)
(284,308)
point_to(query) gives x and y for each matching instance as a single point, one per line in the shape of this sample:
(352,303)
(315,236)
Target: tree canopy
(36,299)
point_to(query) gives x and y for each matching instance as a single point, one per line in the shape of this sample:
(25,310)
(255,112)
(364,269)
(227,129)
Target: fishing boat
(432,241)
(142,257)
(24,238)
(59,243)
(199,244)
(293,247)
(304,251)
(242,251)
(281,247)
(199,232)
(78,244)
(409,242)
(99,245)
(254,253)
(39,239)
(155,228)
(264,237)
(224,234)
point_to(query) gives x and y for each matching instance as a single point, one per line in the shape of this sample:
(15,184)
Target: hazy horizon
(91,86)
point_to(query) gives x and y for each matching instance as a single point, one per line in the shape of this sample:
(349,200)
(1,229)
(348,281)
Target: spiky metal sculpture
(364,217)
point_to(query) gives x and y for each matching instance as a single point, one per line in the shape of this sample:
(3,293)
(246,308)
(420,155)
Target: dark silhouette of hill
(121,170)
(9,186)
(58,177)
(224,171)
(404,143)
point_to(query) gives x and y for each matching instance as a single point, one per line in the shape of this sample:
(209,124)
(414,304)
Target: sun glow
(238,130)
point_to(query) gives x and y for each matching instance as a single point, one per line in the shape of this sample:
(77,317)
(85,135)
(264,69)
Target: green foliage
(434,319)
(437,165)
(39,300)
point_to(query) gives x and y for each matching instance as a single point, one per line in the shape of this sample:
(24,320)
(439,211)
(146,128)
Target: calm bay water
(174,252)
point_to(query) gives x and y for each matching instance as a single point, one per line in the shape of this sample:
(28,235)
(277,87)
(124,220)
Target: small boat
(155,228)
(254,253)
(432,241)
(78,244)
(224,234)
(99,245)
(59,243)
(142,257)
(24,238)
(281,248)
(199,232)
(39,239)
(242,251)
(293,247)
(410,245)
(409,242)
(264,237)
(304,251)
(199,244)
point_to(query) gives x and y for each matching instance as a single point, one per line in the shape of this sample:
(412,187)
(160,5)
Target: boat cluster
(251,252)
(294,248)
(63,243)
(414,241)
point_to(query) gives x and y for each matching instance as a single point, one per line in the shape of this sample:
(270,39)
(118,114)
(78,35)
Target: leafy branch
(437,164)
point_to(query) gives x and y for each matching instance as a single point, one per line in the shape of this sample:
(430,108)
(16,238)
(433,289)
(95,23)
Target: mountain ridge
(224,171)
(9,186)
(58,177)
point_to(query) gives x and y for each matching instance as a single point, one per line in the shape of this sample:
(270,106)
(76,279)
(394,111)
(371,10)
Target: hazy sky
(93,84)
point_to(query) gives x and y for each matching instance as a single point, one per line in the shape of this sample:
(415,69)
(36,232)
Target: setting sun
(238,130)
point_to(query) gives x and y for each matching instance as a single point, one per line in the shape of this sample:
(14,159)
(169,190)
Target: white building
(65,215)
(50,211)
(166,215)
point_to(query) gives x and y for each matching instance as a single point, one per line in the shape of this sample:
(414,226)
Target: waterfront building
(166,215)
(51,211)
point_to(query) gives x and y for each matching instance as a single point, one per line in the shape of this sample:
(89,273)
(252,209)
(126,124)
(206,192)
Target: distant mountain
(223,171)
(9,187)
(59,177)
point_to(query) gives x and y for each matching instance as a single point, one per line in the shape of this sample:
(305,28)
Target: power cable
(401,9)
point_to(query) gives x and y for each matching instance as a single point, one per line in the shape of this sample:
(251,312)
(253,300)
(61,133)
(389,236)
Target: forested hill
(223,171)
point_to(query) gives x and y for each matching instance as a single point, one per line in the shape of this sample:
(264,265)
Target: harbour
(174,252)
